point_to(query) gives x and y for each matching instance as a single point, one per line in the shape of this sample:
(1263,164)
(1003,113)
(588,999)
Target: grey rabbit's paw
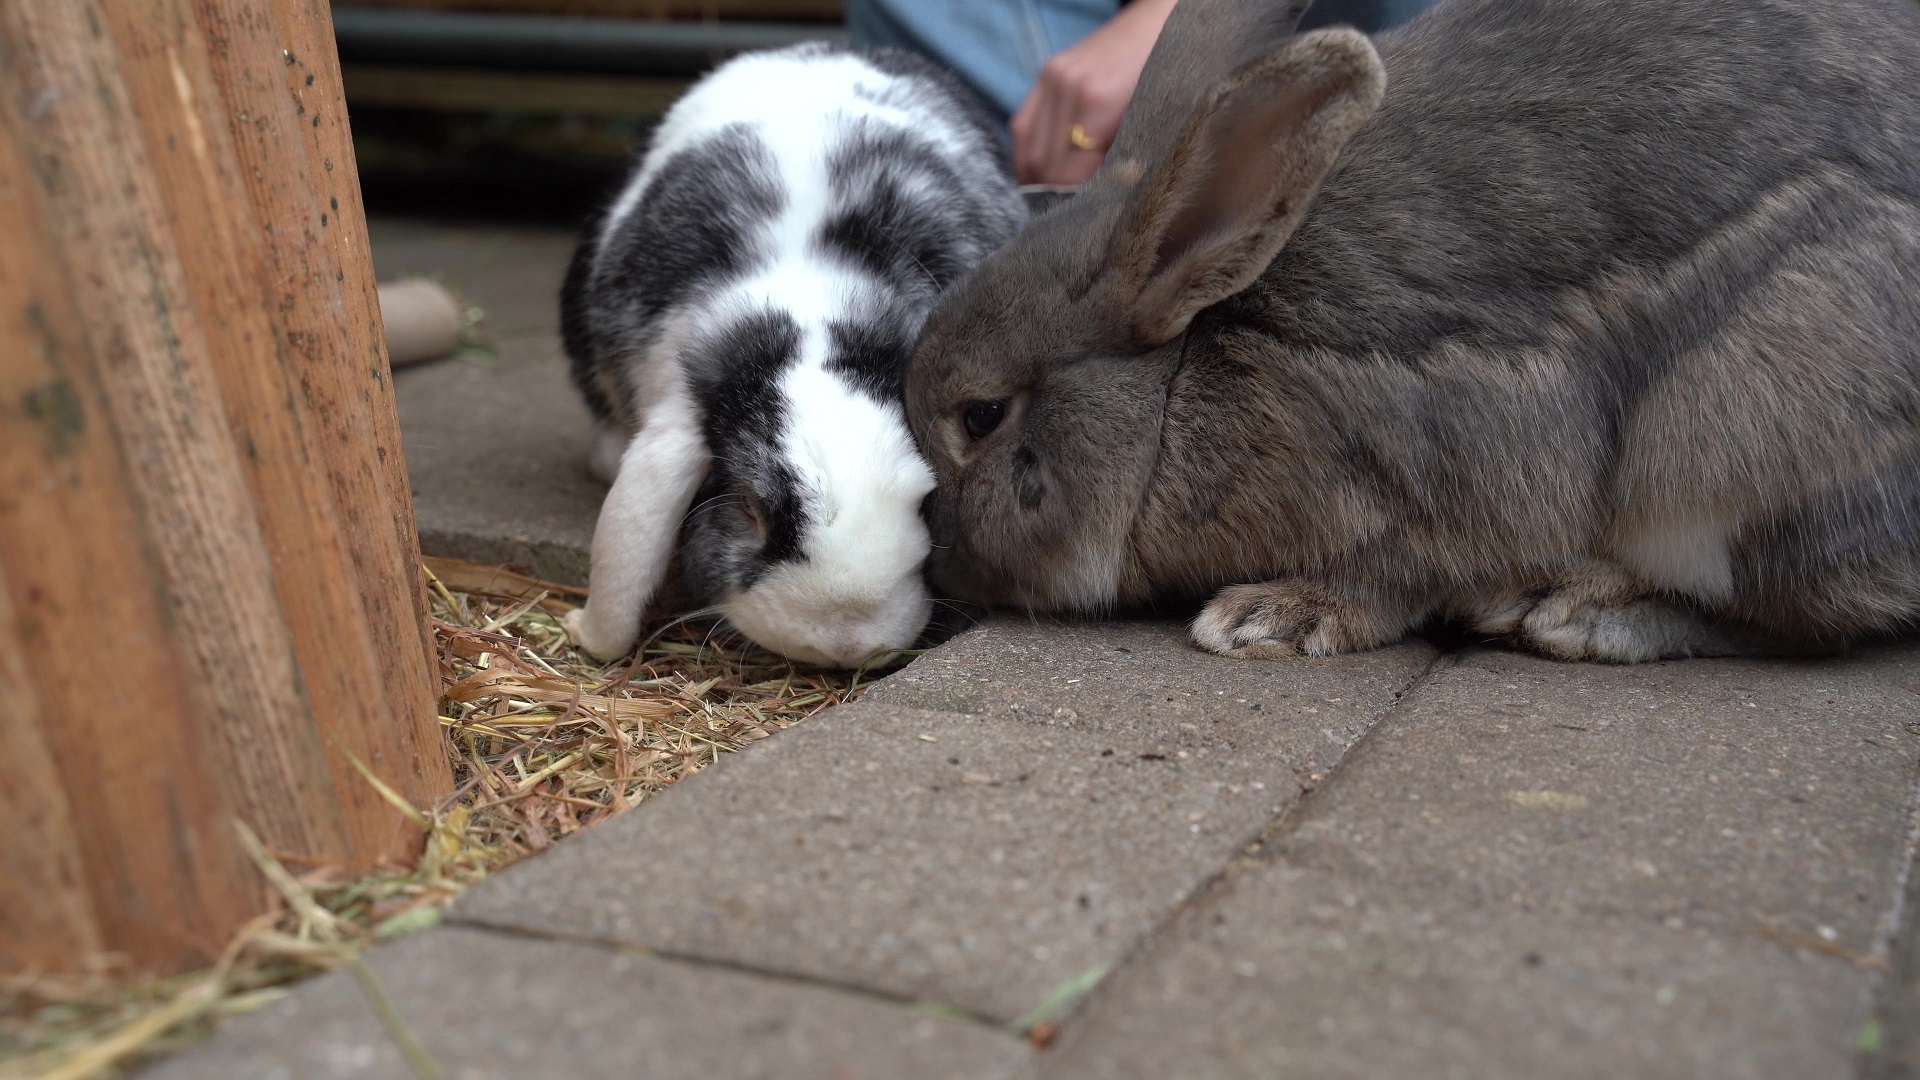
(1287,618)
(1601,614)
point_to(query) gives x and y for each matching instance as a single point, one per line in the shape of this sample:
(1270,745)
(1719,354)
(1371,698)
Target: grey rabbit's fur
(1594,324)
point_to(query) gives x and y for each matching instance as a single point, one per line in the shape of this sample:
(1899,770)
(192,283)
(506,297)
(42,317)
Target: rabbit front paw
(1285,618)
(1572,626)
(593,638)
(1598,612)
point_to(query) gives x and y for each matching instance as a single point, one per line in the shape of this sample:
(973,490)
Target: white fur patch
(1089,582)
(1689,557)
(858,590)
(603,461)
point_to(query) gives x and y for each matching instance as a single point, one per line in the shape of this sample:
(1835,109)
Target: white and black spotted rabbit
(739,322)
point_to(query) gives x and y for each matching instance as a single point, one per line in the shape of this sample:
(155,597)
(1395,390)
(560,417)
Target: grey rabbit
(1591,324)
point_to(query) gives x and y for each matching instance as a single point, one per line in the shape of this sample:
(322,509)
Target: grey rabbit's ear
(1212,213)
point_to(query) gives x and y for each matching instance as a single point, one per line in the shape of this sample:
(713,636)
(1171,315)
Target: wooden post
(210,606)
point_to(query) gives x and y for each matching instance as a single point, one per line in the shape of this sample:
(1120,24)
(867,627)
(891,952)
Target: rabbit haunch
(1594,324)
(739,322)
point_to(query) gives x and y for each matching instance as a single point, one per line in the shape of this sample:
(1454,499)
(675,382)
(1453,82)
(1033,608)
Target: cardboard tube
(422,320)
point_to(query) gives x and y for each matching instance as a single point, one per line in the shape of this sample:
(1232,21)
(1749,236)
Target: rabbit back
(1596,296)
(1601,279)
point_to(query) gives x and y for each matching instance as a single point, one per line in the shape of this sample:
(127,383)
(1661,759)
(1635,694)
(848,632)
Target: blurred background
(527,110)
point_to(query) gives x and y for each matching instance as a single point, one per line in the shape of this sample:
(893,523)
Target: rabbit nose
(851,654)
(954,576)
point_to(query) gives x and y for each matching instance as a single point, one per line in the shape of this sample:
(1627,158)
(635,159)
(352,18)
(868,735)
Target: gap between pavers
(982,862)
(1890,1049)
(1533,869)
(491,1006)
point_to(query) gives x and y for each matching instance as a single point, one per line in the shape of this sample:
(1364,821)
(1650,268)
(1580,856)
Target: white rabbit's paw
(592,638)
(1282,618)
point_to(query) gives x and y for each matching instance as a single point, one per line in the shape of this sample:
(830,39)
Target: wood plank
(91,617)
(44,906)
(367,466)
(111,222)
(237,198)
(410,754)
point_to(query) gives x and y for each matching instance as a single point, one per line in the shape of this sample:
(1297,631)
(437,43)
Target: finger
(1076,167)
(1099,115)
(1021,127)
(1058,150)
(1048,141)
(1074,162)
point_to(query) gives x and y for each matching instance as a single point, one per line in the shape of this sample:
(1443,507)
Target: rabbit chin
(1082,580)
(794,610)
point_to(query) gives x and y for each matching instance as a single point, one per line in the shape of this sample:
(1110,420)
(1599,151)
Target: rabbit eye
(981,417)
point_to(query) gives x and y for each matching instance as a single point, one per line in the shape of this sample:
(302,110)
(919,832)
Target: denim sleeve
(997,46)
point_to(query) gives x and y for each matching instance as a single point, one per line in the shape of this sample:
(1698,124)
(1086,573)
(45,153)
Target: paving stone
(1715,792)
(497,457)
(496,446)
(979,862)
(487,1006)
(1147,680)
(1294,972)
(1891,1051)
(512,273)
(1534,869)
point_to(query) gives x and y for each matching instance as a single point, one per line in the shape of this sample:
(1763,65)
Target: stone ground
(1418,862)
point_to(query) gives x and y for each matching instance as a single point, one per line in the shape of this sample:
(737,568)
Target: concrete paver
(973,863)
(1145,679)
(1891,1048)
(496,446)
(513,273)
(488,1006)
(1294,972)
(1533,869)
(980,862)
(497,456)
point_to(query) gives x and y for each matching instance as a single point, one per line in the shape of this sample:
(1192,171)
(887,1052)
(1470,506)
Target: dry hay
(544,742)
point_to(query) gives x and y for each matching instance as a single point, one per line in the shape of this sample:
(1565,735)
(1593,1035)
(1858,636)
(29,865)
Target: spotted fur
(748,303)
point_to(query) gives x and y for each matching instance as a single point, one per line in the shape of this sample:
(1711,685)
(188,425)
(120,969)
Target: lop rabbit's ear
(1211,214)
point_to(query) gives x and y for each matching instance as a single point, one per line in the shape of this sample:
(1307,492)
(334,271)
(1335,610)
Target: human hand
(1062,131)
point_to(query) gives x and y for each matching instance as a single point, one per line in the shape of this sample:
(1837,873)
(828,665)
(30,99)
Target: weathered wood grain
(90,624)
(212,604)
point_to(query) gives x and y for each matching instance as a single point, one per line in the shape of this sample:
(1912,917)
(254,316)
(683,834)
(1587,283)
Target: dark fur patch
(879,227)
(692,226)
(576,326)
(693,221)
(734,374)
(871,353)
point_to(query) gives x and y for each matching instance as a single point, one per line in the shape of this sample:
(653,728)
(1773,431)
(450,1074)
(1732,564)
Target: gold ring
(1077,138)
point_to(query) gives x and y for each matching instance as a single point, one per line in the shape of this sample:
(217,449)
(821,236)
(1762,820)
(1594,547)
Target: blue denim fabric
(997,46)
